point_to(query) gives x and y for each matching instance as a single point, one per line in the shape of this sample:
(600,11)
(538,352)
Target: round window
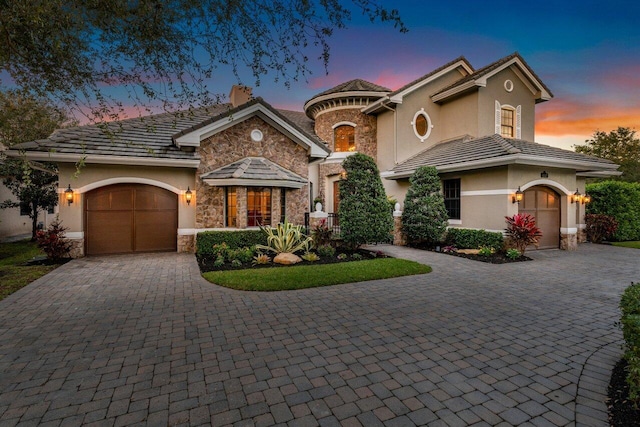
(422,125)
(508,85)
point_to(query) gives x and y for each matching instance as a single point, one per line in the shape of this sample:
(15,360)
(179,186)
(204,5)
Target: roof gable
(479,79)
(289,123)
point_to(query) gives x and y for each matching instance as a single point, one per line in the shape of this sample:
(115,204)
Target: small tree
(364,210)
(522,231)
(425,216)
(52,241)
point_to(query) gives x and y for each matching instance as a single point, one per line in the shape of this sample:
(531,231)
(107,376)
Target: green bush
(365,216)
(466,238)
(326,251)
(425,217)
(233,239)
(620,200)
(630,321)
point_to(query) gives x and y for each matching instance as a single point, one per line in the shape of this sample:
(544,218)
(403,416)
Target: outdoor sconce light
(343,175)
(68,195)
(586,199)
(517,198)
(576,197)
(187,195)
(544,174)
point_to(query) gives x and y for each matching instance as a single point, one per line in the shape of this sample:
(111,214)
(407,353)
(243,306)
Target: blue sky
(587,53)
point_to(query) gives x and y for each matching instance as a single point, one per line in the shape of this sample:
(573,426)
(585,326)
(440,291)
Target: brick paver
(143,339)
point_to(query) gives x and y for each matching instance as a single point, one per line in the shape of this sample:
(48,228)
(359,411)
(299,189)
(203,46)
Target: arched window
(344,137)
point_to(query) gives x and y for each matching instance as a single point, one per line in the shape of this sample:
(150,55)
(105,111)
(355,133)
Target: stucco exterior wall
(460,117)
(234,144)
(519,96)
(14,224)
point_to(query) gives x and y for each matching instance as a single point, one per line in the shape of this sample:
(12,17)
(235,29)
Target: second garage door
(126,218)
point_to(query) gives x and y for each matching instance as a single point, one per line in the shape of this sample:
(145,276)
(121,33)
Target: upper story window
(506,122)
(422,125)
(344,138)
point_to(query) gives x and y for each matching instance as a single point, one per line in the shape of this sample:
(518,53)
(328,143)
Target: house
(153,183)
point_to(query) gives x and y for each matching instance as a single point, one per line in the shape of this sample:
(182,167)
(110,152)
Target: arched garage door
(127,218)
(544,204)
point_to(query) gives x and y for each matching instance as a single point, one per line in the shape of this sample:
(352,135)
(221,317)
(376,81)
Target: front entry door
(544,204)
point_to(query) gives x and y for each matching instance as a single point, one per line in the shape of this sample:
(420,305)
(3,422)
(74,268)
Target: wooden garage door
(127,218)
(544,204)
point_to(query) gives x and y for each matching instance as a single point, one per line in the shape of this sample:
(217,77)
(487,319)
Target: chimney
(239,95)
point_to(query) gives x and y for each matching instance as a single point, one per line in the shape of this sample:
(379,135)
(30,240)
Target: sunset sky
(587,53)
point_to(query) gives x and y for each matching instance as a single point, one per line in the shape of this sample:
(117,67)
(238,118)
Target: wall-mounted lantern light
(517,198)
(343,175)
(68,195)
(187,195)
(577,197)
(544,174)
(586,199)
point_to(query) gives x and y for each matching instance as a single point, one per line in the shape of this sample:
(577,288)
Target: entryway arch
(543,203)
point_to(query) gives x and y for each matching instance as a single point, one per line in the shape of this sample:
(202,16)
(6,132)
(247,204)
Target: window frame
(351,142)
(452,201)
(230,210)
(428,125)
(512,111)
(252,219)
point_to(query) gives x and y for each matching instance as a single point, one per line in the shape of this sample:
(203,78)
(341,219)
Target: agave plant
(285,238)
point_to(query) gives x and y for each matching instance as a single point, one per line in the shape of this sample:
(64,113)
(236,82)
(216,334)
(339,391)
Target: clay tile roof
(256,169)
(467,149)
(436,71)
(356,85)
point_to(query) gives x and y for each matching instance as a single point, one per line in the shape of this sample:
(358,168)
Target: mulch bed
(495,258)
(206,263)
(621,411)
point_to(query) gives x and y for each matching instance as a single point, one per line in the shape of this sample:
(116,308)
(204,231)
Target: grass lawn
(14,275)
(631,244)
(311,276)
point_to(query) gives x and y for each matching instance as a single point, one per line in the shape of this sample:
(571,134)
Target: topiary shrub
(630,322)
(618,199)
(467,238)
(425,218)
(364,214)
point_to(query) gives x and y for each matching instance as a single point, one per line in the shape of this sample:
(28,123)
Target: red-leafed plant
(600,227)
(521,231)
(52,241)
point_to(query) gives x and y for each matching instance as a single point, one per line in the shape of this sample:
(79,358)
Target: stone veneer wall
(365,131)
(187,244)
(365,140)
(569,242)
(234,144)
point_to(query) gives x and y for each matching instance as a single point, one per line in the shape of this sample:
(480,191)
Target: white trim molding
(570,230)
(353,125)
(424,114)
(104,159)
(74,235)
(124,180)
(454,221)
(548,183)
(496,192)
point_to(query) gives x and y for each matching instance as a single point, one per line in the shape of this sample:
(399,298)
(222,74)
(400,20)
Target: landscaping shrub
(321,234)
(233,239)
(425,218)
(600,227)
(365,216)
(522,231)
(630,322)
(52,241)
(327,251)
(620,200)
(466,238)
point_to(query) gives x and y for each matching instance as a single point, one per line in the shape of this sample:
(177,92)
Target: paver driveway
(144,339)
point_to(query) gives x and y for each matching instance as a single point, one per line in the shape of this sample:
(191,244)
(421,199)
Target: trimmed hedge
(466,238)
(620,200)
(630,321)
(233,239)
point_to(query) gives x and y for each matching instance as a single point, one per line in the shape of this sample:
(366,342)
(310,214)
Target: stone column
(569,242)
(316,218)
(399,239)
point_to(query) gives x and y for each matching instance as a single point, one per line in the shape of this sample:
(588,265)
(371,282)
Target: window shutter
(519,122)
(498,118)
